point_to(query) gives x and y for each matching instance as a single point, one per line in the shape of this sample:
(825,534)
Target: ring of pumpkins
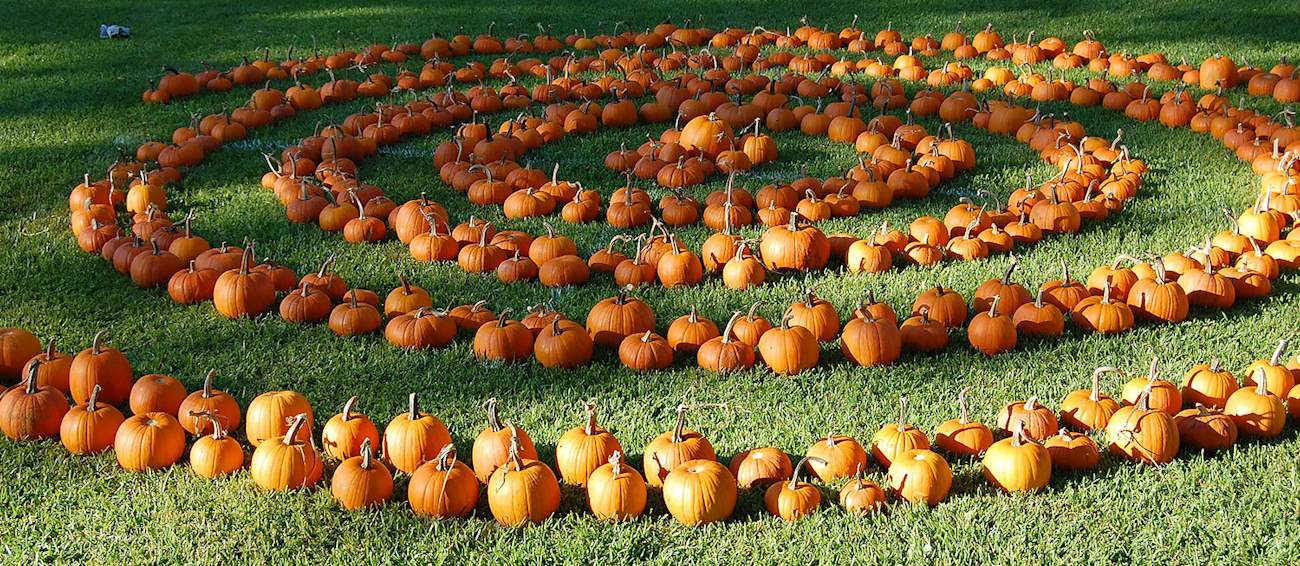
(1096,177)
(1153,417)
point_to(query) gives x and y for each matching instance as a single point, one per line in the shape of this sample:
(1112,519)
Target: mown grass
(71,103)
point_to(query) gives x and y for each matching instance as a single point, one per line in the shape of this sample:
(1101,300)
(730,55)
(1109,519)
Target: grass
(72,103)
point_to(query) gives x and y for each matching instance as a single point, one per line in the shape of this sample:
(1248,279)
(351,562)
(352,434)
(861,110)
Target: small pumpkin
(583,448)
(523,490)
(150,441)
(199,407)
(103,366)
(920,477)
(271,413)
(1072,451)
(345,432)
(838,456)
(1205,428)
(787,349)
(1040,422)
(1017,464)
(1090,409)
(217,454)
(31,411)
(492,446)
(286,462)
(700,491)
(1257,411)
(157,393)
(90,427)
(670,449)
(1208,384)
(361,481)
(791,500)
(413,438)
(616,492)
(1139,433)
(443,487)
(962,436)
(896,438)
(861,496)
(760,467)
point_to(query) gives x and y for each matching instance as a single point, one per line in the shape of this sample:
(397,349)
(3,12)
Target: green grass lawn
(71,103)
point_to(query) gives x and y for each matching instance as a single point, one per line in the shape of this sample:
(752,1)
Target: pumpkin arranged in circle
(793,499)
(962,436)
(413,438)
(921,477)
(492,446)
(362,480)
(343,434)
(148,442)
(217,454)
(896,438)
(30,411)
(1018,463)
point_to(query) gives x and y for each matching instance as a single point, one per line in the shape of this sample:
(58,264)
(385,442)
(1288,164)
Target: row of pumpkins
(1148,425)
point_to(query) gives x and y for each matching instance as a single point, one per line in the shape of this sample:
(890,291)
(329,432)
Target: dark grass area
(71,102)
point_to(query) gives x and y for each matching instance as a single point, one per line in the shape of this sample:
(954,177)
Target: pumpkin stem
(1278,353)
(1095,395)
(616,462)
(1031,403)
(514,447)
(32,371)
(794,475)
(413,405)
(1006,277)
(681,422)
(1261,381)
(494,421)
(964,416)
(97,343)
(298,421)
(446,457)
(902,413)
(1155,367)
(347,408)
(367,453)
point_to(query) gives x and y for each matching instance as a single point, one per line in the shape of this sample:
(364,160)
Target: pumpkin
(270,413)
(1205,428)
(506,340)
(838,456)
(920,476)
(405,298)
(443,487)
(1257,411)
(1139,433)
(1064,293)
(792,247)
(616,492)
(361,481)
(16,347)
(944,306)
(353,317)
(1208,384)
(201,407)
(923,334)
(1280,380)
(689,332)
(670,449)
(726,352)
(1040,422)
(492,446)
(157,393)
(287,462)
(700,491)
(31,411)
(1017,464)
(787,349)
(90,427)
(243,293)
(345,432)
(894,439)
(962,436)
(1072,451)
(54,366)
(760,467)
(615,318)
(1102,315)
(98,365)
(992,332)
(1089,409)
(563,344)
(584,448)
(791,500)
(217,454)
(1161,395)
(308,304)
(523,490)
(421,329)
(861,496)
(1158,299)
(413,438)
(817,315)
(1039,319)
(1013,294)
(149,442)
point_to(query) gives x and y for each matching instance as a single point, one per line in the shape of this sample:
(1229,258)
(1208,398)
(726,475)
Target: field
(71,103)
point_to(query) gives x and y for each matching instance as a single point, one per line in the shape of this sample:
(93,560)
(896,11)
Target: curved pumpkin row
(1148,424)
